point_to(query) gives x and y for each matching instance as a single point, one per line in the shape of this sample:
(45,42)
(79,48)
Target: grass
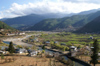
(71,38)
(67,38)
(3,44)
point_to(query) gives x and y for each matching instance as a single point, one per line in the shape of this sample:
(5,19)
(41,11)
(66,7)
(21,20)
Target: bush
(2,56)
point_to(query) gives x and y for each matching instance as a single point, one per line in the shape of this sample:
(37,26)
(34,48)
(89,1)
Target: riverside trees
(95,50)
(11,48)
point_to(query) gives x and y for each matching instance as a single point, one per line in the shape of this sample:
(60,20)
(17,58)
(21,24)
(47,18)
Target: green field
(66,38)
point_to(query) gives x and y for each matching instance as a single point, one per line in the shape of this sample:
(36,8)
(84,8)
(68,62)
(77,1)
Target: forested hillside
(91,27)
(75,21)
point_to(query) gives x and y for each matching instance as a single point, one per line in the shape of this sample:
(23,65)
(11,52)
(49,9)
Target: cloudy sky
(14,8)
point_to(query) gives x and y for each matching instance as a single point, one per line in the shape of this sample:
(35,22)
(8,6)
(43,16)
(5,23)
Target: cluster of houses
(4,50)
(16,33)
(47,43)
(34,40)
(10,33)
(74,51)
(28,52)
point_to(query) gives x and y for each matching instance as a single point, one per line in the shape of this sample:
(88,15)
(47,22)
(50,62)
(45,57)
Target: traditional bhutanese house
(2,30)
(91,37)
(63,44)
(73,50)
(55,42)
(47,43)
(33,53)
(34,40)
(87,48)
(20,50)
(4,52)
(21,33)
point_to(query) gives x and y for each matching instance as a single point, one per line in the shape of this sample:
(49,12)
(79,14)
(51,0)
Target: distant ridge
(91,27)
(70,23)
(31,19)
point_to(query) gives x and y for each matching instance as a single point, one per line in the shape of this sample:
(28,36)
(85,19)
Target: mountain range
(49,22)
(31,19)
(73,22)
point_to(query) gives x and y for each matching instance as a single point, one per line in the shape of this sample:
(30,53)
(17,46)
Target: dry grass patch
(32,61)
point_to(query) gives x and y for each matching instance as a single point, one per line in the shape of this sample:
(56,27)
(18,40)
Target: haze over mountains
(48,22)
(31,19)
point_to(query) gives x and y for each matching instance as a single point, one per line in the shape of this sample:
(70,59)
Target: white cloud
(86,1)
(47,7)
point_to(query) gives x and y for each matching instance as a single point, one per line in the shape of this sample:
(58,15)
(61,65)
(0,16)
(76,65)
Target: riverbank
(18,41)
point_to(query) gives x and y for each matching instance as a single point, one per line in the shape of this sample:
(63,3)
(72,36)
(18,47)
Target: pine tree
(2,56)
(95,50)
(43,47)
(11,48)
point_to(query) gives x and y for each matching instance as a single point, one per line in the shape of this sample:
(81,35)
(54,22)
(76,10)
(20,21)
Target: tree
(79,46)
(43,47)
(11,48)
(95,50)
(43,51)
(2,56)
(64,48)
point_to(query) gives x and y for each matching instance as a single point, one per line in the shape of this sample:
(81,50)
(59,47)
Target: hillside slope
(91,27)
(5,26)
(29,19)
(75,21)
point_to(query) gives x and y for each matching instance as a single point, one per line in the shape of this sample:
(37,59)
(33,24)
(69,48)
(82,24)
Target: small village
(47,49)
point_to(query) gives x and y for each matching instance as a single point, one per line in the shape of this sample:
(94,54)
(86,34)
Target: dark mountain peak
(91,27)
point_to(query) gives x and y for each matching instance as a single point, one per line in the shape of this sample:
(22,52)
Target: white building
(33,53)
(21,51)
(73,50)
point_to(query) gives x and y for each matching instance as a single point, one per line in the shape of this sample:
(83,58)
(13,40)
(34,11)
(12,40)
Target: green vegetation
(43,47)
(23,22)
(69,38)
(43,51)
(95,52)
(5,26)
(91,27)
(11,48)
(63,41)
(68,23)
(2,56)
(3,44)
(5,29)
